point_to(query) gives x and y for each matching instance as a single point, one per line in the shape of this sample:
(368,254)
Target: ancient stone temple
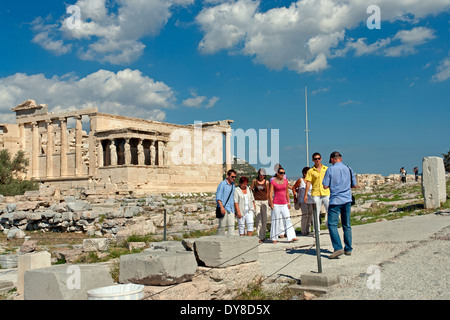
(116,154)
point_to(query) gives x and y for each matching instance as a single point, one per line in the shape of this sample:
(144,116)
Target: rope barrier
(206,271)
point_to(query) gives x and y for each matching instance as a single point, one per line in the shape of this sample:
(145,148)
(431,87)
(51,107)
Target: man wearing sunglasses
(339,178)
(319,194)
(224,199)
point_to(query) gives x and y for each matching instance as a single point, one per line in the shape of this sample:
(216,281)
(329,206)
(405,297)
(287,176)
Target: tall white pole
(316,222)
(307,145)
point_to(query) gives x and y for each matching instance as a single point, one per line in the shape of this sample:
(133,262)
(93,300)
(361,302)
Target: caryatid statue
(140,153)
(113,153)
(152,153)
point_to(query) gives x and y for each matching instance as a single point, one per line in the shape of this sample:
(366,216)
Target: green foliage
(10,172)
(446,161)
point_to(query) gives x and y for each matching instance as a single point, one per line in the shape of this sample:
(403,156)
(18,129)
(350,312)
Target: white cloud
(45,38)
(305,35)
(349,102)
(107,34)
(314,92)
(443,70)
(403,43)
(127,92)
(409,39)
(212,102)
(198,101)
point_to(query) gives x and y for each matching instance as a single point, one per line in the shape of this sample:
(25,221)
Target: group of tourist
(403,174)
(319,186)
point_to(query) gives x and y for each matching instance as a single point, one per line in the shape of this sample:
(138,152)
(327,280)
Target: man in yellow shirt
(314,177)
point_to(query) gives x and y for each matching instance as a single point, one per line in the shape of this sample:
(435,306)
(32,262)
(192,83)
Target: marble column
(160,153)
(228,149)
(50,148)
(78,147)
(35,151)
(64,146)
(93,162)
(22,136)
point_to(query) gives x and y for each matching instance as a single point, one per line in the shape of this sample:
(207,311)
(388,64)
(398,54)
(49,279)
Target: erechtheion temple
(117,154)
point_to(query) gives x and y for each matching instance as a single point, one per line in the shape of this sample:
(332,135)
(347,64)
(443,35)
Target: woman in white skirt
(279,201)
(244,204)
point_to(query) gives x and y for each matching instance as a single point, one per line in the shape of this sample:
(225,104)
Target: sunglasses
(233,177)
(282,172)
(317,158)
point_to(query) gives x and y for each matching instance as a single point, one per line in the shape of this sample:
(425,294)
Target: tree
(11,171)
(446,161)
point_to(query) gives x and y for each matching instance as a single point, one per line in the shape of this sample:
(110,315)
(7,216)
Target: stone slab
(157,267)
(210,284)
(30,261)
(224,251)
(313,289)
(65,282)
(172,246)
(319,279)
(8,261)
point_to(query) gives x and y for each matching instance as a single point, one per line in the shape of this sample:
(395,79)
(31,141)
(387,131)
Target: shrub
(10,172)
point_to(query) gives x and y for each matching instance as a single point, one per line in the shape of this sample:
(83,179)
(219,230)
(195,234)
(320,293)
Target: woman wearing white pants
(279,202)
(244,204)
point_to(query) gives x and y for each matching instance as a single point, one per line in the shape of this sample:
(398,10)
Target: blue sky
(379,96)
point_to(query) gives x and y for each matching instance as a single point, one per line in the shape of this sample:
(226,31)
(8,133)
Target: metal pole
(164,224)
(307,146)
(316,235)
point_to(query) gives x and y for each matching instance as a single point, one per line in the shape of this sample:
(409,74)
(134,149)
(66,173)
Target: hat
(334,154)
(262,171)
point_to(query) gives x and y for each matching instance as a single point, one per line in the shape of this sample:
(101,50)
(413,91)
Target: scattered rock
(79,205)
(135,245)
(308,295)
(15,234)
(28,246)
(96,244)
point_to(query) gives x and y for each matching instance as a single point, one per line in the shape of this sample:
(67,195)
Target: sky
(376,73)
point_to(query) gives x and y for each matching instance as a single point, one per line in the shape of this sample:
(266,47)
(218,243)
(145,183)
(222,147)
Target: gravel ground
(421,272)
(411,255)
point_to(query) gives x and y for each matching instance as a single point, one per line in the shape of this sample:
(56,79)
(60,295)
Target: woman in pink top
(279,201)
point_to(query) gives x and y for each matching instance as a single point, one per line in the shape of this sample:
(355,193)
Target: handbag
(218,212)
(351,185)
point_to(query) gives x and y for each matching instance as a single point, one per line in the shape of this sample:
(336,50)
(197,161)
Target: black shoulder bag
(218,212)
(351,185)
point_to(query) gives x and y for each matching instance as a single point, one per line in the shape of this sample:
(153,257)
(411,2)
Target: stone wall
(47,211)
(370,180)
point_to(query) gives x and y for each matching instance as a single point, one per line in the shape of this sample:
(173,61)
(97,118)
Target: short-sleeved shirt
(223,190)
(337,178)
(315,177)
(279,191)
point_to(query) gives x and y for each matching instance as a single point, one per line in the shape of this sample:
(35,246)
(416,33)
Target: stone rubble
(99,216)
